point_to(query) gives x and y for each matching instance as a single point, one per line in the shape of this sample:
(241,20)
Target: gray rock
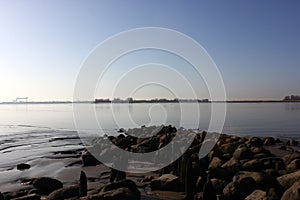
(46,185)
(293,193)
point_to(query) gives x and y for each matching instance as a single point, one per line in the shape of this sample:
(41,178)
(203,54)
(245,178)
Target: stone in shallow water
(23,166)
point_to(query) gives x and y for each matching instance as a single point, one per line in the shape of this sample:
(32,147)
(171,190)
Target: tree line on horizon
(156,100)
(292,98)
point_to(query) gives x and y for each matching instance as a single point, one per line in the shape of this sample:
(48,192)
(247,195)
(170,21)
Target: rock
(242,153)
(166,182)
(290,157)
(220,173)
(82,185)
(294,165)
(88,159)
(232,166)
(288,180)
(209,192)
(274,193)
(64,193)
(147,179)
(273,163)
(123,188)
(119,193)
(239,189)
(293,193)
(264,163)
(269,141)
(13,195)
(218,185)
(257,195)
(216,162)
(292,142)
(253,165)
(254,142)
(23,166)
(46,185)
(28,197)
(262,180)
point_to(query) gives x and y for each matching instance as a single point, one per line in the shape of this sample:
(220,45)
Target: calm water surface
(28,132)
(282,119)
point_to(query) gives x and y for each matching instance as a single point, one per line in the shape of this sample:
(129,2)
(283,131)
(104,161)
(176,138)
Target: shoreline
(230,153)
(149,102)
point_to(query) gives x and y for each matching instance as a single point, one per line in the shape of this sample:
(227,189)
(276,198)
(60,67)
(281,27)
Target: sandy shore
(236,168)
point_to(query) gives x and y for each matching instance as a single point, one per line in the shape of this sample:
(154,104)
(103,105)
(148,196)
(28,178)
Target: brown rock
(293,193)
(28,197)
(216,162)
(288,180)
(257,195)
(64,193)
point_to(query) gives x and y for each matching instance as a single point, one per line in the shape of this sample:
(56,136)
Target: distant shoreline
(146,101)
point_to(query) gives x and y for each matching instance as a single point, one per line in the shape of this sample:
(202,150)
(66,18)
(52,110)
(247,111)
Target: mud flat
(235,168)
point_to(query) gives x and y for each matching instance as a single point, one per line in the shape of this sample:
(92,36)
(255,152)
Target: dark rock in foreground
(46,185)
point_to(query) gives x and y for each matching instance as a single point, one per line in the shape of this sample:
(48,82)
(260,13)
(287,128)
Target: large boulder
(293,193)
(240,189)
(288,180)
(215,163)
(254,142)
(257,195)
(262,180)
(290,157)
(232,166)
(64,193)
(218,185)
(124,188)
(242,153)
(294,165)
(46,185)
(166,182)
(88,159)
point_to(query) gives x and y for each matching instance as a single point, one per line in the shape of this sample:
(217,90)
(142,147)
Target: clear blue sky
(256,44)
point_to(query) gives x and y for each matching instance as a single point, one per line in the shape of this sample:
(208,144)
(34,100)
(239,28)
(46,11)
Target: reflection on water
(242,118)
(292,106)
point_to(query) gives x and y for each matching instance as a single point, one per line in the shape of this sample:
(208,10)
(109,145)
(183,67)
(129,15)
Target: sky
(43,44)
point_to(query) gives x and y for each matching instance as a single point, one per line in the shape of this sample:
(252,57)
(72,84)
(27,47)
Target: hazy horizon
(255,45)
